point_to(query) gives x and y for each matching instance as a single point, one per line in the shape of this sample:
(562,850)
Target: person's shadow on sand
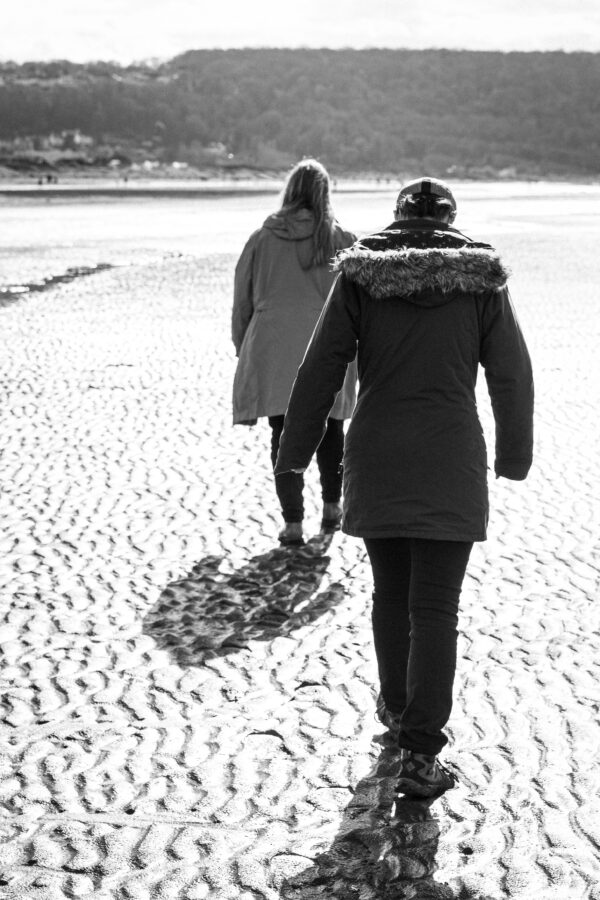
(382,850)
(216,608)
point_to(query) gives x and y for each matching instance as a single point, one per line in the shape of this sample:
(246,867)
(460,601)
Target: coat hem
(413,533)
(252,420)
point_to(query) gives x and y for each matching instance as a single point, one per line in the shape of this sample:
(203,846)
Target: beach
(188,709)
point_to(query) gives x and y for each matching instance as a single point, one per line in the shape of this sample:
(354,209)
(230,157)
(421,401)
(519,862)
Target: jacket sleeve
(505,358)
(320,376)
(243,302)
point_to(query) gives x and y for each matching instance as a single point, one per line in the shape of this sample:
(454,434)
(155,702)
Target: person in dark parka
(422,305)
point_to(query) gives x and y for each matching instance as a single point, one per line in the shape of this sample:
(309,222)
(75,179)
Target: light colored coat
(277,302)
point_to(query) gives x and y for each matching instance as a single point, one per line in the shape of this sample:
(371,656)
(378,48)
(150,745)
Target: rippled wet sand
(188,709)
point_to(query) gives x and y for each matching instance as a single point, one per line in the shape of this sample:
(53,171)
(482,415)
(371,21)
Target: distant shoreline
(259,186)
(173,188)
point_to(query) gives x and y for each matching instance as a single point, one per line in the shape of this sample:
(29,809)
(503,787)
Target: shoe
(332,518)
(423,776)
(291,535)
(390,719)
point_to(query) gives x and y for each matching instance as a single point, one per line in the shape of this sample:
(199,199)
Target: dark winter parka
(423,305)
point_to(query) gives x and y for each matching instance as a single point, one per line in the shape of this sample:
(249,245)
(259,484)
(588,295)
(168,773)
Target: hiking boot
(389,719)
(423,776)
(291,535)
(332,518)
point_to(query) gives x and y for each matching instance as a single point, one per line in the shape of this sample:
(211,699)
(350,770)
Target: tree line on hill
(374,110)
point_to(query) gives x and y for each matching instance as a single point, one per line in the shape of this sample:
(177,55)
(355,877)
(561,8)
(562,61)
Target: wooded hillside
(357,110)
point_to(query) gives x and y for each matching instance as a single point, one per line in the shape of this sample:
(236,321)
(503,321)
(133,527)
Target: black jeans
(289,485)
(417,586)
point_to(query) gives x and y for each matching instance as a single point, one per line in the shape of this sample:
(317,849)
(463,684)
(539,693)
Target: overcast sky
(130,30)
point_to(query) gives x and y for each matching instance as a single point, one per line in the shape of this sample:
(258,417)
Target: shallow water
(45,236)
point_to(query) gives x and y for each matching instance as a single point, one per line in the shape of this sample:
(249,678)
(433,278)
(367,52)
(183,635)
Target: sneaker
(389,719)
(423,776)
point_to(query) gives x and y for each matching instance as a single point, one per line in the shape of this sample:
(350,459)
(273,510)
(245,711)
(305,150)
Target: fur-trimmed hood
(427,263)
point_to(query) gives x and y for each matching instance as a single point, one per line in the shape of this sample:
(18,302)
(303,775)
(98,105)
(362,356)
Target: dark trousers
(417,586)
(289,485)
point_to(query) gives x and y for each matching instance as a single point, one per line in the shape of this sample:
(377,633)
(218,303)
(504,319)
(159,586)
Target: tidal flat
(187,709)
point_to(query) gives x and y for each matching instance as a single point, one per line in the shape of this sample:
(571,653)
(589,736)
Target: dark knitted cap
(428,186)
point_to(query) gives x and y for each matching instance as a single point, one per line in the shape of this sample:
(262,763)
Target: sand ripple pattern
(187,710)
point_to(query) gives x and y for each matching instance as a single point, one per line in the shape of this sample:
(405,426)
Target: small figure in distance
(282,280)
(425,305)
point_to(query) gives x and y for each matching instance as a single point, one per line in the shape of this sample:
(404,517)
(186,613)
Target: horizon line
(161,60)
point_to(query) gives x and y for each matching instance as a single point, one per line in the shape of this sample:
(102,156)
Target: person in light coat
(425,305)
(282,280)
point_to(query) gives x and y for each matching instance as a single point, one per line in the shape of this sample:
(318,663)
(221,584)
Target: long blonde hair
(307,187)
